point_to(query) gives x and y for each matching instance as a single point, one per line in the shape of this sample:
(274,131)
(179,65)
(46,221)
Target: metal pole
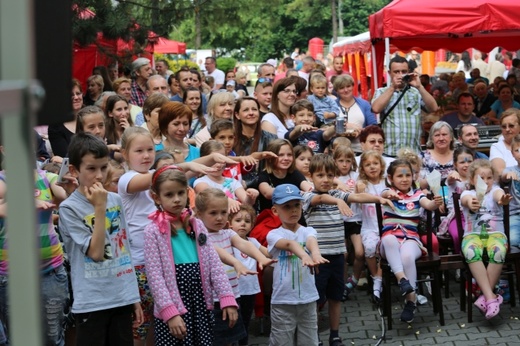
(16,55)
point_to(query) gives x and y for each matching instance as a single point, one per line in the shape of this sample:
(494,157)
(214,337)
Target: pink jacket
(160,271)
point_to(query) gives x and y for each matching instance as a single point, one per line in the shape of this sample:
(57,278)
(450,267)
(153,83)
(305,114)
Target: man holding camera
(400,114)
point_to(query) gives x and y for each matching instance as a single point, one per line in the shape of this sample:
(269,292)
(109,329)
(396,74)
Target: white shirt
(499,151)
(368,210)
(248,284)
(281,129)
(219,77)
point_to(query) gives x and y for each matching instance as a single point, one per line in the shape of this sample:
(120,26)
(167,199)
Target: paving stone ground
(361,324)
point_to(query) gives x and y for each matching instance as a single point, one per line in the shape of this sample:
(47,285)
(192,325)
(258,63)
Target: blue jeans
(514,229)
(54,293)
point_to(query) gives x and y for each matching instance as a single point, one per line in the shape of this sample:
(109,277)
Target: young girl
(117,119)
(184,269)
(212,209)
(231,187)
(302,160)
(242,222)
(484,229)
(115,172)
(345,160)
(371,180)
(151,107)
(400,244)
(193,99)
(457,181)
(91,119)
(325,108)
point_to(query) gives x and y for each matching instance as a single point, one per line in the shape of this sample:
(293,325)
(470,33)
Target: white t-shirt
(499,151)
(219,77)
(490,215)
(368,210)
(355,116)
(293,284)
(137,208)
(350,180)
(281,130)
(229,186)
(388,160)
(248,284)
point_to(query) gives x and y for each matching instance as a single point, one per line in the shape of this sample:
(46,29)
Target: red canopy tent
(448,24)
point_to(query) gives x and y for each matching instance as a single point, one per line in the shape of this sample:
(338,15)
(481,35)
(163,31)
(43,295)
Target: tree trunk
(340,20)
(197,25)
(334,21)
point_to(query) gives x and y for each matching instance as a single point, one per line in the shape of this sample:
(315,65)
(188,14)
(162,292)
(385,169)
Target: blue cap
(285,193)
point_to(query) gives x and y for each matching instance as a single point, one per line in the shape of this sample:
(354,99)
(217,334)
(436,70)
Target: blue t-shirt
(184,248)
(313,140)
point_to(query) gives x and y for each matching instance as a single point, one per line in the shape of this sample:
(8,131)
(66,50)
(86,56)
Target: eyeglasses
(263,80)
(290,91)
(374,141)
(508,126)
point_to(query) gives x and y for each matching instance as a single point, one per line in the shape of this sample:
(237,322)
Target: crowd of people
(178,190)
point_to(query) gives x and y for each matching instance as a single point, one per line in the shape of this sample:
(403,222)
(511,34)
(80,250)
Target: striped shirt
(406,216)
(222,239)
(327,221)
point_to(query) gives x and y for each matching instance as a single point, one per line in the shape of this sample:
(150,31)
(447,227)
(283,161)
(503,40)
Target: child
(336,142)
(400,243)
(91,119)
(513,173)
(242,222)
(326,108)
(103,279)
(484,229)
(231,187)
(293,302)
(302,158)
(304,132)
(346,165)
(263,94)
(184,269)
(457,181)
(371,180)
(117,118)
(115,172)
(323,209)
(212,210)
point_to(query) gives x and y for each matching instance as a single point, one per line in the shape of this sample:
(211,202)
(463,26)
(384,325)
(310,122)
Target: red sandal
(493,307)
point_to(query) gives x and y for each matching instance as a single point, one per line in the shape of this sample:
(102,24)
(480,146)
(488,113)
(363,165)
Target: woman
(505,101)
(220,106)
(439,153)
(249,136)
(357,112)
(278,121)
(151,107)
(103,72)
(94,89)
(117,115)
(123,87)
(465,65)
(60,135)
(500,152)
(193,98)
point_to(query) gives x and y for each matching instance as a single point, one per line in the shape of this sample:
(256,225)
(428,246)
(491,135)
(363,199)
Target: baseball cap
(230,82)
(285,193)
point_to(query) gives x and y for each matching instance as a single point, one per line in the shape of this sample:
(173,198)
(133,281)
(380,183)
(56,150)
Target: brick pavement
(361,325)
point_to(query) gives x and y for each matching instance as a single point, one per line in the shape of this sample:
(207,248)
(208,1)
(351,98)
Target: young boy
(304,132)
(263,94)
(293,301)
(94,232)
(323,209)
(325,107)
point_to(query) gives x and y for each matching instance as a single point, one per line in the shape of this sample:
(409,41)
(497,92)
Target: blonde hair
(217,99)
(343,150)
(476,165)
(131,133)
(364,157)
(205,196)
(409,155)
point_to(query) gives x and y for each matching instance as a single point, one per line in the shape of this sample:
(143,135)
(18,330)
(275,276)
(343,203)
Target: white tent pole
(374,68)
(387,58)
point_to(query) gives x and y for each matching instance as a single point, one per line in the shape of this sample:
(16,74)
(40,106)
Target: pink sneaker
(493,307)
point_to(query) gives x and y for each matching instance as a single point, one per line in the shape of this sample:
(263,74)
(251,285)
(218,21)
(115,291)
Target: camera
(407,78)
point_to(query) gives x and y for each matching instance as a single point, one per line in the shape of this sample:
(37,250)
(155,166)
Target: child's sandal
(480,303)
(493,307)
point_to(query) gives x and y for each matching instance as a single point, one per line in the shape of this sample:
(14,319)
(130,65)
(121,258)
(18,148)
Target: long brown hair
(238,148)
(277,88)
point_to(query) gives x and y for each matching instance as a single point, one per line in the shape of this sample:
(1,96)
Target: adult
(439,150)
(496,68)
(286,65)
(357,112)
(94,89)
(480,64)
(213,71)
(123,87)
(308,64)
(464,113)
(163,69)
(113,71)
(193,98)
(185,80)
(500,152)
(504,102)
(60,135)
(156,84)
(141,71)
(278,121)
(402,126)
(465,65)
(372,137)
(197,82)
(475,75)
(337,68)
(249,136)
(174,85)
(458,82)
(483,98)
(425,81)
(295,53)
(469,138)
(152,106)
(220,106)
(104,73)
(414,63)
(266,71)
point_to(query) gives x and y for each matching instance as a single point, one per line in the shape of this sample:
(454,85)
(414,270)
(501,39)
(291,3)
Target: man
(496,68)
(296,53)
(413,66)
(213,71)
(162,68)
(337,68)
(483,99)
(468,137)
(402,127)
(464,113)
(287,63)
(266,71)
(113,71)
(475,74)
(185,80)
(308,66)
(480,64)
(156,84)
(141,71)
(425,82)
